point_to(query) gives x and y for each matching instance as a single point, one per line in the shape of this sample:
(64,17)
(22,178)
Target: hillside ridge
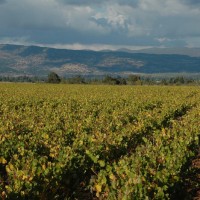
(16,60)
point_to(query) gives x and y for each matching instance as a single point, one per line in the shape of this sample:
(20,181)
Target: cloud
(75,46)
(28,14)
(110,22)
(95,47)
(15,40)
(112,17)
(191,2)
(193,41)
(99,2)
(80,2)
(2,1)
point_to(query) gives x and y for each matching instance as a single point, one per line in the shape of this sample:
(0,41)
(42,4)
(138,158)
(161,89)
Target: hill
(17,60)
(193,52)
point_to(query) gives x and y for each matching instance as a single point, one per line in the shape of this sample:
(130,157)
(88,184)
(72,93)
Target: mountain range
(19,60)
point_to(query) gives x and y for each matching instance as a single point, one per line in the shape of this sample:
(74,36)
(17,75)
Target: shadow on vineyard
(130,143)
(188,188)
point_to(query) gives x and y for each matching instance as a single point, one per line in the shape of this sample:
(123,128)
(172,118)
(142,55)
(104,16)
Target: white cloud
(78,18)
(116,18)
(161,40)
(94,47)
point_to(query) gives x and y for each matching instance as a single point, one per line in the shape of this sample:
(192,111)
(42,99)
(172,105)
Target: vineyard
(96,142)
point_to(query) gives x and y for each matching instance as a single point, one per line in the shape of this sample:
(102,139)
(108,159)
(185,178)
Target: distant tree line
(28,79)
(131,79)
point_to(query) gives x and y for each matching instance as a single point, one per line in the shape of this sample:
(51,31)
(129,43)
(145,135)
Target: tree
(76,80)
(134,79)
(53,78)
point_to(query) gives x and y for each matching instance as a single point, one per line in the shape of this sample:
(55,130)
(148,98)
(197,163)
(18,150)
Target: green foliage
(108,80)
(76,80)
(53,78)
(134,80)
(114,80)
(77,141)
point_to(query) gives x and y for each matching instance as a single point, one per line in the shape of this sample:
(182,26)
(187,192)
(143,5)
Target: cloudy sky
(101,24)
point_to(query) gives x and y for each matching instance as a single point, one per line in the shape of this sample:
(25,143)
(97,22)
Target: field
(96,142)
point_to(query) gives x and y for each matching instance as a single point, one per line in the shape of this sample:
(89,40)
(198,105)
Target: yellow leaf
(24,177)
(45,136)
(98,188)
(3,160)
(43,167)
(7,169)
(11,167)
(112,177)
(15,156)
(52,155)
(101,163)
(22,193)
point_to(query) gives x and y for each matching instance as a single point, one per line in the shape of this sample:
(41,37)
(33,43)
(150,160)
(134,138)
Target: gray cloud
(81,2)
(25,15)
(99,2)
(112,22)
(2,1)
(121,2)
(191,2)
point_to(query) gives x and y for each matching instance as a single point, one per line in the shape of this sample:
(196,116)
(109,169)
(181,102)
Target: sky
(101,24)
